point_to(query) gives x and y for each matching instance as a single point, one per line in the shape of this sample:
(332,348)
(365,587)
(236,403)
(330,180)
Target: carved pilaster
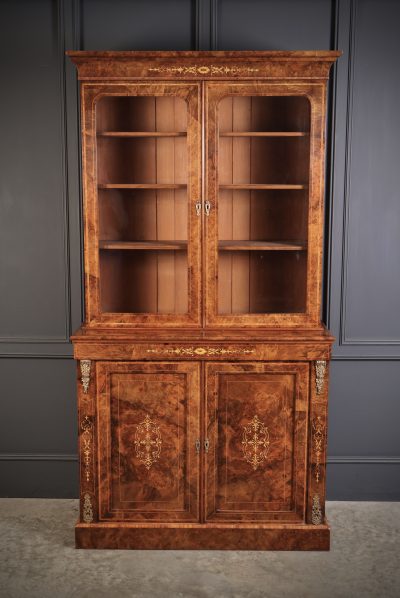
(86,424)
(317,446)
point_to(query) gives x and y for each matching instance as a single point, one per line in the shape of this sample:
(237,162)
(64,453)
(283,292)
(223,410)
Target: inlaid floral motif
(255,442)
(204,69)
(148,442)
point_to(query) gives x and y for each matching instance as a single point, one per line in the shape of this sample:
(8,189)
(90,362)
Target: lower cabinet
(193,442)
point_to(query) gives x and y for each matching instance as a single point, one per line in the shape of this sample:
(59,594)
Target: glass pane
(263,173)
(142,197)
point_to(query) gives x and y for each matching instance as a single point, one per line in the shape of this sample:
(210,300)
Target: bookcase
(202,362)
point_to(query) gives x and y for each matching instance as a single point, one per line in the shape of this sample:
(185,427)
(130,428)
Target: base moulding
(202,536)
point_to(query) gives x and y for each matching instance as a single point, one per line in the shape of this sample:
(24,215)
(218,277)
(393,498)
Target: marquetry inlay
(148,442)
(318,434)
(87,428)
(204,69)
(200,351)
(255,442)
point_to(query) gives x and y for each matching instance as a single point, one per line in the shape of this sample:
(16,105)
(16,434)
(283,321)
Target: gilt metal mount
(320,371)
(85,374)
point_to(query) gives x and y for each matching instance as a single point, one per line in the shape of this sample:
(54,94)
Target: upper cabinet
(203,189)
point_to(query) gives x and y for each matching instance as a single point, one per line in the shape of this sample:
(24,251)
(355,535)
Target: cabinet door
(256,427)
(265,148)
(141,165)
(148,419)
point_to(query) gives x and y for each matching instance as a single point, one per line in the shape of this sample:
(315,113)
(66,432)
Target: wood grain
(166,488)
(203,537)
(244,398)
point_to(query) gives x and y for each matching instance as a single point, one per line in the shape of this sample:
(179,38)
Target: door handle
(207,207)
(198,208)
(197,445)
(206,445)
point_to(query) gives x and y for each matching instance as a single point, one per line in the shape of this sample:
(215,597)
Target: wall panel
(38,430)
(138,25)
(34,260)
(363,412)
(366,218)
(273,24)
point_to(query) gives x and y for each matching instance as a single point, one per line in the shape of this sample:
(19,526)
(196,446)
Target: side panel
(256,425)
(148,419)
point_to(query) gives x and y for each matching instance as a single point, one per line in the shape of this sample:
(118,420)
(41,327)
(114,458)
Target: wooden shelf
(255,187)
(141,134)
(144,245)
(261,246)
(264,134)
(141,186)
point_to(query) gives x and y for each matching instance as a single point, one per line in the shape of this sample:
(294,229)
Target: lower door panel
(256,427)
(148,422)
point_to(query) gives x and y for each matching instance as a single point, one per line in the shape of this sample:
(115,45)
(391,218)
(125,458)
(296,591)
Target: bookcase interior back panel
(263,173)
(142,199)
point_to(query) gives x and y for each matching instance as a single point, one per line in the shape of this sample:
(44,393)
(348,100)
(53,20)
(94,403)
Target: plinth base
(202,536)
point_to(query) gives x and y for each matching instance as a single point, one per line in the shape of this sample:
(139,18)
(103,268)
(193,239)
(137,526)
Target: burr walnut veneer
(202,362)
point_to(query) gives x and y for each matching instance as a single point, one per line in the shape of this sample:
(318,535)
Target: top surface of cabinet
(203,199)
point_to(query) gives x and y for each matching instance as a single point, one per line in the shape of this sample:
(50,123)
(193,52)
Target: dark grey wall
(40,239)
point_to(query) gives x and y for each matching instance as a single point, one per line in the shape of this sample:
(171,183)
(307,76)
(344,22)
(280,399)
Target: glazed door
(256,427)
(148,419)
(141,162)
(265,146)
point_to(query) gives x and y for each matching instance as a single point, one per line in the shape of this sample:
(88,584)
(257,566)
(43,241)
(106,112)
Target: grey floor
(38,559)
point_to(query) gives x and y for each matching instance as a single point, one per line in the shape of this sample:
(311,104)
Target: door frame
(316,94)
(301,371)
(191,467)
(91,93)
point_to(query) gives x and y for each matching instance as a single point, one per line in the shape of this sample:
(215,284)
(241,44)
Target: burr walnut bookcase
(202,362)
